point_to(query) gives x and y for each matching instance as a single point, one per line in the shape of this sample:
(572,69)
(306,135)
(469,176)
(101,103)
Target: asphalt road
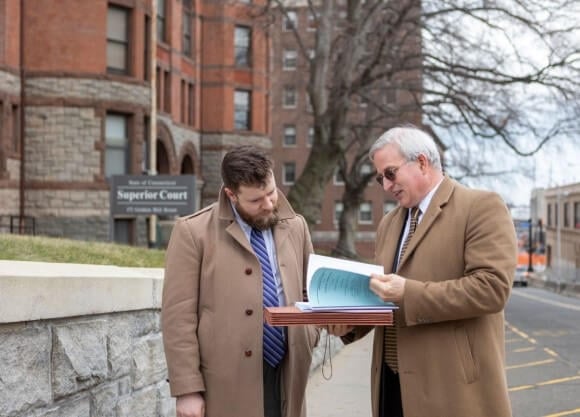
(543,353)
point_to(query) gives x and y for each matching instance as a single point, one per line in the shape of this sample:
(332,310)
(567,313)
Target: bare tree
(482,70)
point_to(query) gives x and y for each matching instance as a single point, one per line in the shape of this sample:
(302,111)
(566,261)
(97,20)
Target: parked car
(521,277)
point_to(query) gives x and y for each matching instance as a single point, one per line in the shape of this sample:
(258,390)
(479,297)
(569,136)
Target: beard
(262,222)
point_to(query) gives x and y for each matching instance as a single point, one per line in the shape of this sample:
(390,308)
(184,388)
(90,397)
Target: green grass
(46,249)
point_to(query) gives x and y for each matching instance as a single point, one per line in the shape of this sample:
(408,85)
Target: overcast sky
(557,163)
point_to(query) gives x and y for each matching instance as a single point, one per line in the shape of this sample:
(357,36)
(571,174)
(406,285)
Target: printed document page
(339,284)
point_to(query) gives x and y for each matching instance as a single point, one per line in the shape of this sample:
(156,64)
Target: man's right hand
(190,405)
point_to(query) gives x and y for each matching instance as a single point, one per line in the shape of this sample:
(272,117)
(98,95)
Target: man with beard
(223,265)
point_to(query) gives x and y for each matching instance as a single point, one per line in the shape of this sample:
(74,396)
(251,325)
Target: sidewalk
(347,393)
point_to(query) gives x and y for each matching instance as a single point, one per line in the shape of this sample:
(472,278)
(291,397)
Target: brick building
(80,96)
(76,103)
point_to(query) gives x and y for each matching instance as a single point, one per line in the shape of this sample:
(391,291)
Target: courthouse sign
(143,195)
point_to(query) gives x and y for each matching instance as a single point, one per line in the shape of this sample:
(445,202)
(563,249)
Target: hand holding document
(339,284)
(338,292)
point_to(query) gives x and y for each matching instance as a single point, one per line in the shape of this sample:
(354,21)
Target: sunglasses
(390,173)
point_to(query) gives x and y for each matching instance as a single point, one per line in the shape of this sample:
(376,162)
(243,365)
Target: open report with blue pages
(341,285)
(339,293)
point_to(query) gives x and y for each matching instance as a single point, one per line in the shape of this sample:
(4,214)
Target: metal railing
(12,224)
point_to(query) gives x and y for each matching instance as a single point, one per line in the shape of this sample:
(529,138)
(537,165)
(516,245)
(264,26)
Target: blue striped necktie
(274,346)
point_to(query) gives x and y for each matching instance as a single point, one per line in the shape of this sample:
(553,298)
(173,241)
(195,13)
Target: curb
(540,280)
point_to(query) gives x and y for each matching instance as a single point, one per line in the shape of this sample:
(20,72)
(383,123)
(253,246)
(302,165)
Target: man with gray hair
(449,255)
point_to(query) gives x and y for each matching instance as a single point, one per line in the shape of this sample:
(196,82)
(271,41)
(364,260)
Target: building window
(289,135)
(289,59)
(388,206)
(167,91)
(289,173)
(365,212)
(290,20)
(117,145)
(191,110)
(15,128)
(310,139)
(565,215)
(549,208)
(242,108)
(289,98)
(161,12)
(576,215)
(337,178)
(242,45)
(556,215)
(338,208)
(187,23)
(158,88)
(147,49)
(117,40)
(184,101)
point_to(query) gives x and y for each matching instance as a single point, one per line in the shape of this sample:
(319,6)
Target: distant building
(562,225)
(76,103)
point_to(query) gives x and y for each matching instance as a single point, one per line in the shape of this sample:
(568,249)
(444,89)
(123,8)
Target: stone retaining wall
(85,341)
(81,341)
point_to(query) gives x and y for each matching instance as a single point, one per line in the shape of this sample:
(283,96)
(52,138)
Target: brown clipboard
(293,316)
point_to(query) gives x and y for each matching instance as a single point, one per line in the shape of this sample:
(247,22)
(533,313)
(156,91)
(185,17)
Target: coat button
(248,271)
(248,353)
(249,312)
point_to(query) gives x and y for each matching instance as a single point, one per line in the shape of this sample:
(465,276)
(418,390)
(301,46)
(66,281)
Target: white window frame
(289,59)
(289,131)
(286,94)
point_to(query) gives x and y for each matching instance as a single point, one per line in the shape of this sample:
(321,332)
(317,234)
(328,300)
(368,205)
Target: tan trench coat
(212,311)
(460,267)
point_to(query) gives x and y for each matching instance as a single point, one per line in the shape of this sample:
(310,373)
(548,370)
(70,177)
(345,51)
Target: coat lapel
(440,198)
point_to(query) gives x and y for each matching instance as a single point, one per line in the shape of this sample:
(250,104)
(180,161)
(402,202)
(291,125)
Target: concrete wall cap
(41,290)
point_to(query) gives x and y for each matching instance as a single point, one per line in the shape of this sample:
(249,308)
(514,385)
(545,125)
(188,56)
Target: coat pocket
(465,354)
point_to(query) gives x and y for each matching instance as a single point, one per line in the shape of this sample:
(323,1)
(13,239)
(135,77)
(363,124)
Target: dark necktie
(274,346)
(390,350)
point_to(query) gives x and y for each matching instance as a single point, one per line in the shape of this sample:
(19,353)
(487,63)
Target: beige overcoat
(212,311)
(460,266)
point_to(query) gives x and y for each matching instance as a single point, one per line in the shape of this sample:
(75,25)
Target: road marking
(558,381)
(540,384)
(520,350)
(551,352)
(543,300)
(520,388)
(520,333)
(564,413)
(551,333)
(525,365)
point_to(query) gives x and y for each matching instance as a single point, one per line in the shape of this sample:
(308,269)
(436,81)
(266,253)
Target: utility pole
(530,249)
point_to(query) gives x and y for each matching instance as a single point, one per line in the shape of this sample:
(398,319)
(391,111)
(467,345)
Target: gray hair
(411,142)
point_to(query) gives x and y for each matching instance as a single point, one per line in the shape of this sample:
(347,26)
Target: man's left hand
(390,287)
